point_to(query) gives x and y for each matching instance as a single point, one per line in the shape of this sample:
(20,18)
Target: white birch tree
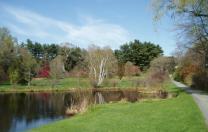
(101,62)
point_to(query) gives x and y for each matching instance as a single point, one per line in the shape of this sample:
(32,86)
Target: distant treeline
(19,63)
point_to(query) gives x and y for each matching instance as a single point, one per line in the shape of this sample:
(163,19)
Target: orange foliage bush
(187,70)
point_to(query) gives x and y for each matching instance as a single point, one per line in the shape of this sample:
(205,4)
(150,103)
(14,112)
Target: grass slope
(171,115)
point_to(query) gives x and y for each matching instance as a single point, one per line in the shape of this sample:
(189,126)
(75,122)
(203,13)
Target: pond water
(22,111)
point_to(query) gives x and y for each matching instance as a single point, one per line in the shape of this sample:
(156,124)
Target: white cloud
(92,31)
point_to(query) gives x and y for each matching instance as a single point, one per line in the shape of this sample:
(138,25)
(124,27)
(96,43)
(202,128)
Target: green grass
(170,115)
(44,84)
(63,83)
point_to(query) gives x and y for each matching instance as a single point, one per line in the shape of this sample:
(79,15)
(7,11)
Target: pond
(22,111)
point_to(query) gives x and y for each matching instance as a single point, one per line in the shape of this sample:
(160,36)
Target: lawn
(169,115)
(44,84)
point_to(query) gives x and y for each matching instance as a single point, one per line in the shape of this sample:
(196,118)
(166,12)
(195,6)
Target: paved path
(200,97)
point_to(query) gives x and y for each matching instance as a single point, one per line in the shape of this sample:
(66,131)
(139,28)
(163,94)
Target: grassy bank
(44,84)
(172,115)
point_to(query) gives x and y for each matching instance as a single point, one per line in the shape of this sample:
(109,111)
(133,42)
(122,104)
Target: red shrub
(44,71)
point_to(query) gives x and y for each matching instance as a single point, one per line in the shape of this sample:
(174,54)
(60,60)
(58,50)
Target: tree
(14,73)
(14,77)
(193,31)
(101,64)
(121,70)
(121,63)
(192,18)
(43,53)
(7,52)
(189,63)
(35,49)
(50,51)
(16,62)
(73,56)
(56,70)
(28,64)
(140,54)
(21,69)
(163,63)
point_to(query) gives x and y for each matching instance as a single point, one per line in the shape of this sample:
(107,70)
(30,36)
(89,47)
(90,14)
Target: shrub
(44,71)
(131,69)
(156,78)
(200,80)
(78,101)
(159,70)
(185,72)
(121,70)
(177,76)
(78,72)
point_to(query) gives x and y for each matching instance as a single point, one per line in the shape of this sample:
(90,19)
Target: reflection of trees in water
(29,107)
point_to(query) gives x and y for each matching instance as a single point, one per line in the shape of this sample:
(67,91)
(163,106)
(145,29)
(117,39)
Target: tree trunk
(29,80)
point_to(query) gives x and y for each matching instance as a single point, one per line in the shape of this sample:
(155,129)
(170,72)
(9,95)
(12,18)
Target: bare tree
(101,64)
(56,69)
(191,17)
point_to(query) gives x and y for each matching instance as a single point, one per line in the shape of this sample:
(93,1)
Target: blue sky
(84,22)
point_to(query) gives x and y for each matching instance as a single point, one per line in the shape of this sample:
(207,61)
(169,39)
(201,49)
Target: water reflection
(22,111)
